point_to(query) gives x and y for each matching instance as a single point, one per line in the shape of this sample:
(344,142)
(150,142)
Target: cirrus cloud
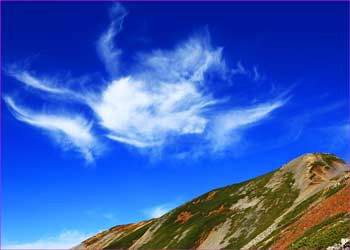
(70,131)
(165,95)
(135,114)
(226,127)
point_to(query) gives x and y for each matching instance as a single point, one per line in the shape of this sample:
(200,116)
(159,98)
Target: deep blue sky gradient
(301,46)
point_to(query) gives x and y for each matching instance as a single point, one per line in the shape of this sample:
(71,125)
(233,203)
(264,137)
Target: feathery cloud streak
(166,95)
(226,127)
(69,131)
(106,48)
(159,210)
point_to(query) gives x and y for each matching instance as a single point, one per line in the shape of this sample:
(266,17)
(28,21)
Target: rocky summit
(302,205)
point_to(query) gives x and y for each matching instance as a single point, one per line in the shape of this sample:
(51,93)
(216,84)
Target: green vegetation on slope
(327,233)
(199,224)
(188,225)
(330,158)
(298,211)
(336,188)
(249,208)
(202,218)
(274,203)
(288,219)
(318,163)
(326,161)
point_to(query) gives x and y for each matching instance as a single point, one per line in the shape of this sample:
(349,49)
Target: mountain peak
(281,209)
(315,171)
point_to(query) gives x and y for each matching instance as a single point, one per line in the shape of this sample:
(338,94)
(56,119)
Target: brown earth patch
(195,202)
(208,198)
(210,195)
(219,210)
(316,179)
(338,203)
(318,170)
(319,174)
(183,217)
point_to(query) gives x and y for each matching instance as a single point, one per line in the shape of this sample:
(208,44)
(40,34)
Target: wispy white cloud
(108,52)
(239,69)
(189,61)
(257,76)
(332,137)
(70,131)
(49,84)
(252,73)
(109,216)
(46,85)
(65,240)
(137,113)
(98,214)
(165,95)
(227,127)
(159,210)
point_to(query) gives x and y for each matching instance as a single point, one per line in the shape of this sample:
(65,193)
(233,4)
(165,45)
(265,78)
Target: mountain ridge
(267,211)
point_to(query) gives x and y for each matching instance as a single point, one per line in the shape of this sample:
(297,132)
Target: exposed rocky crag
(302,205)
(343,245)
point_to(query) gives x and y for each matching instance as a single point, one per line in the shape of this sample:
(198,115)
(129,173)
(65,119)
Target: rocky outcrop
(343,245)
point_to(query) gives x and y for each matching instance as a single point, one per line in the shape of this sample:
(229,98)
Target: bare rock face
(302,205)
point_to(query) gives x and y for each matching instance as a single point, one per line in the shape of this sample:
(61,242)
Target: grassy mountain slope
(303,204)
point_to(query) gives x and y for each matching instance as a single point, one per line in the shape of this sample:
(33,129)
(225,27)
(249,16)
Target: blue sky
(115,113)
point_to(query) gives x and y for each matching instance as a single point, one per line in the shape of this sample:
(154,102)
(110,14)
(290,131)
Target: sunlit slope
(304,204)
